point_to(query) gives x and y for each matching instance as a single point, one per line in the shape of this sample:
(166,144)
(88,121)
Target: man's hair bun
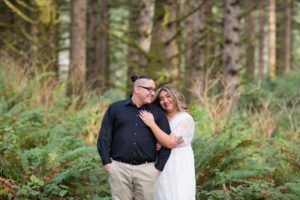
(134,78)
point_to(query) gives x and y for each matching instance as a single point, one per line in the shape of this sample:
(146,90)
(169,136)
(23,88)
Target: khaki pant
(128,182)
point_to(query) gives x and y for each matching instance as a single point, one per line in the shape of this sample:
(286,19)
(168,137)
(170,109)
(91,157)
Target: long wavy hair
(177,97)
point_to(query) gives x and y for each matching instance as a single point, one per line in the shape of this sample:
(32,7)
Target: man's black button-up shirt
(123,136)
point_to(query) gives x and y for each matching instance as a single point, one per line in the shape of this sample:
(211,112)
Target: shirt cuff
(160,165)
(106,161)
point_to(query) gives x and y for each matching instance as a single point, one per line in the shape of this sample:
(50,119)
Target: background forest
(63,62)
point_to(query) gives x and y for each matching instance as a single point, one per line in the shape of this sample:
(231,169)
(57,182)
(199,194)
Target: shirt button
(134,133)
(136,124)
(134,143)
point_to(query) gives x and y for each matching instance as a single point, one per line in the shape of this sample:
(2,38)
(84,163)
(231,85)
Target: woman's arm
(169,141)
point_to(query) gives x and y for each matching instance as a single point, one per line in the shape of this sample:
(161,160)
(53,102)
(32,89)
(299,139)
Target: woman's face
(166,102)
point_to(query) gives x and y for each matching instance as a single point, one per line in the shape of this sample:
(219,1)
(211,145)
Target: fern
(232,165)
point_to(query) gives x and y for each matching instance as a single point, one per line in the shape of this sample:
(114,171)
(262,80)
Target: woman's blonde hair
(175,95)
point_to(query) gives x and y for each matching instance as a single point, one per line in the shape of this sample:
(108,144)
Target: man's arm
(162,157)
(104,139)
(164,153)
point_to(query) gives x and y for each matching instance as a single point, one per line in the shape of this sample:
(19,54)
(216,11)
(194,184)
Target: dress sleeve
(185,128)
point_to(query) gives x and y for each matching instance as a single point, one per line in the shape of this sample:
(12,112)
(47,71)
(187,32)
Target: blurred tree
(261,38)
(231,49)
(210,36)
(164,51)
(250,38)
(159,38)
(97,63)
(30,30)
(272,39)
(197,47)
(284,38)
(288,36)
(6,25)
(77,70)
(139,32)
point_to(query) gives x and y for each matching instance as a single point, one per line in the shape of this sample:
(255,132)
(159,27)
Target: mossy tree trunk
(164,51)
(30,30)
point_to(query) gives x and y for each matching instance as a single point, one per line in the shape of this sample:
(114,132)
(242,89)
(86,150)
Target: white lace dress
(177,181)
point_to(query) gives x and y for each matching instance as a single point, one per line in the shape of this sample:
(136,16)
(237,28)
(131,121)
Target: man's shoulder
(157,111)
(119,102)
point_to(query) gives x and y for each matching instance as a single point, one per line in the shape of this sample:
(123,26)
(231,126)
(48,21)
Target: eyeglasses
(149,89)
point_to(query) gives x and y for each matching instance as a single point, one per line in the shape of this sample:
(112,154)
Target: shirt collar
(129,101)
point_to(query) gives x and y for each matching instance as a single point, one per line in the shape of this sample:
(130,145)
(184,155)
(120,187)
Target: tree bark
(31,33)
(250,40)
(140,28)
(272,39)
(77,70)
(231,50)
(196,55)
(97,72)
(261,39)
(288,38)
(163,57)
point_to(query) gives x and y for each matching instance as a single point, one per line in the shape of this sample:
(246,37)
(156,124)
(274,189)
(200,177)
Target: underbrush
(48,151)
(47,139)
(252,152)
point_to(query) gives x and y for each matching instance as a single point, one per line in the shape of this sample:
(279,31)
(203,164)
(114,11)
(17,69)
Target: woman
(177,181)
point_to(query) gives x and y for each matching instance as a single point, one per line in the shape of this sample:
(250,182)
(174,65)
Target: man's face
(146,90)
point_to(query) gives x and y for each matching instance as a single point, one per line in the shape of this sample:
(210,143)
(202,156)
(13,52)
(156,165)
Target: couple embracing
(145,145)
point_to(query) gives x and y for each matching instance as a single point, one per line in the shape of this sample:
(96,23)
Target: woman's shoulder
(185,115)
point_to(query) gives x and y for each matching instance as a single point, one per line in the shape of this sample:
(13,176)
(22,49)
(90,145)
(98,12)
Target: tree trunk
(230,54)
(261,39)
(77,70)
(32,33)
(97,63)
(48,30)
(280,37)
(250,39)
(140,27)
(195,43)
(272,38)
(210,38)
(7,21)
(163,57)
(288,37)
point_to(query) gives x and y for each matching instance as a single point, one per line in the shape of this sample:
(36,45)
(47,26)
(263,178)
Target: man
(127,146)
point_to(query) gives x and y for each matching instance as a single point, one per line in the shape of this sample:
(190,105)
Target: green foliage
(43,146)
(241,161)
(235,165)
(275,101)
(47,151)
(281,90)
